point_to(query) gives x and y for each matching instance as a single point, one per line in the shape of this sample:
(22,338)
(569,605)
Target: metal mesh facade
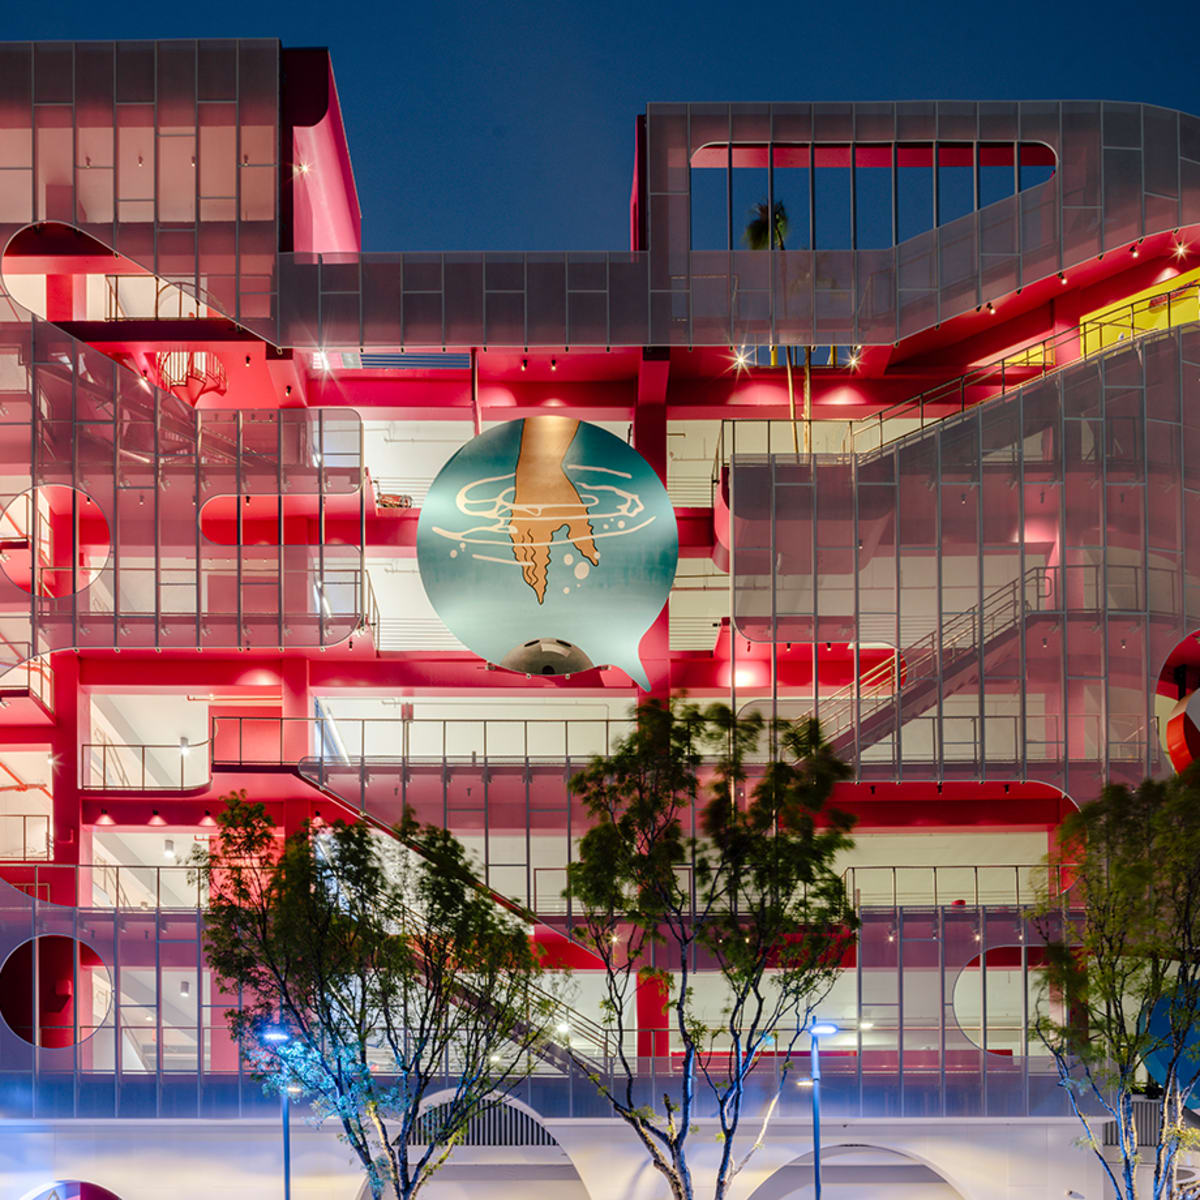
(1125,171)
(166,151)
(1034,560)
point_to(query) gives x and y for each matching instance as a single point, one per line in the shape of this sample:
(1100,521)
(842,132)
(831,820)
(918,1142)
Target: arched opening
(54,991)
(996,996)
(527,1160)
(1177,703)
(54,540)
(858,1172)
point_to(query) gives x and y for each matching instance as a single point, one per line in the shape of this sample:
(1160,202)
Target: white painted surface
(979,1159)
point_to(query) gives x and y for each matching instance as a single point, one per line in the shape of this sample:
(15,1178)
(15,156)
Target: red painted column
(653,1031)
(650,441)
(65,741)
(297,709)
(59,298)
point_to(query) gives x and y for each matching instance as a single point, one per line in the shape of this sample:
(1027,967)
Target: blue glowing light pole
(816,1031)
(276,1035)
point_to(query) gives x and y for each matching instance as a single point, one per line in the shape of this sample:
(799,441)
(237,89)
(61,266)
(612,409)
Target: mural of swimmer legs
(548,546)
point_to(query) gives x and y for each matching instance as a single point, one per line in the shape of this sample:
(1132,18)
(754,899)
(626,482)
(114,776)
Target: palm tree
(755,235)
(771,224)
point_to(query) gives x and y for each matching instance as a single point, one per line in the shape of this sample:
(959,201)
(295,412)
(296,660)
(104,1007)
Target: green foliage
(756,231)
(679,864)
(1122,943)
(385,963)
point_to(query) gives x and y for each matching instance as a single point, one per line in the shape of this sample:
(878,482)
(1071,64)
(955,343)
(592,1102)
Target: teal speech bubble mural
(548,546)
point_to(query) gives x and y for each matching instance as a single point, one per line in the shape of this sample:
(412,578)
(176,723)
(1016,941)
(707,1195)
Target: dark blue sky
(509,125)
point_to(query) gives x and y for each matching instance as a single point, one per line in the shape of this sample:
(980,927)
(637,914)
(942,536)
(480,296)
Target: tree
(767,229)
(1120,988)
(385,977)
(755,893)
(759,227)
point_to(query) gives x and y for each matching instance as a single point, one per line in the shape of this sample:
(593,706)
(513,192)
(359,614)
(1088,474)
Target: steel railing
(1166,309)
(941,885)
(919,667)
(335,753)
(344,741)
(113,766)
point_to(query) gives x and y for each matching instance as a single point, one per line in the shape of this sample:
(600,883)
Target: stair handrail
(595,1032)
(1049,363)
(1007,595)
(1041,350)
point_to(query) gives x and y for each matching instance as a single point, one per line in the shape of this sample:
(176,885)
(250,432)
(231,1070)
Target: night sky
(509,126)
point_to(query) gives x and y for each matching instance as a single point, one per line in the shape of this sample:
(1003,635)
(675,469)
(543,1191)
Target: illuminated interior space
(922,458)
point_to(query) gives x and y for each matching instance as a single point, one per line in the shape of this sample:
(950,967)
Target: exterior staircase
(901,688)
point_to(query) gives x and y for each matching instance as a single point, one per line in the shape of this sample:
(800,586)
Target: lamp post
(816,1031)
(277,1036)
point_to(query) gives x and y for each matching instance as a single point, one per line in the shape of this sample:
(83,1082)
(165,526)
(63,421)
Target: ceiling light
(554,364)
(1134,251)
(1062,278)
(524,364)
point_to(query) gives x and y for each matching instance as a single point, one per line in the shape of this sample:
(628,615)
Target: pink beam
(390,533)
(425,399)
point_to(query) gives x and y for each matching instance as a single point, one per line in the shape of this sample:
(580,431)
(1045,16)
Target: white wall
(981,1159)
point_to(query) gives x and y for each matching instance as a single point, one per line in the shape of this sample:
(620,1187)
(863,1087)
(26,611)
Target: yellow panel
(1160,306)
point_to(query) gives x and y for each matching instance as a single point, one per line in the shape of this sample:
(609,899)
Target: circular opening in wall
(54,540)
(54,991)
(993,992)
(1177,703)
(73,1189)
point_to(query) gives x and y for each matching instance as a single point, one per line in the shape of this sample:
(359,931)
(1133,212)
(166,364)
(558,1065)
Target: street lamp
(278,1036)
(816,1031)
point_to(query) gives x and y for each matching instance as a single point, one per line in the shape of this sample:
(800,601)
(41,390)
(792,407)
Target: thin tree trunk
(807,399)
(787,358)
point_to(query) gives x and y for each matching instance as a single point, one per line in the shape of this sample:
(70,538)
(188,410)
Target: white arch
(768,1188)
(437,1098)
(449,1093)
